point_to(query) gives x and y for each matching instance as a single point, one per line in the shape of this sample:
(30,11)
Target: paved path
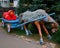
(9,41)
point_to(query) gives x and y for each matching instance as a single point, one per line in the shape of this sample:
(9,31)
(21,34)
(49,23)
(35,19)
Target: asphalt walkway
(9,41)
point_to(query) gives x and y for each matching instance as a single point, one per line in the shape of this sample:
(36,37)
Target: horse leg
(46,31)
(39,30)
(26,30)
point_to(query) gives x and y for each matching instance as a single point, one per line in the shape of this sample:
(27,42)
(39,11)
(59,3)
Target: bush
(52,5)
(0,14)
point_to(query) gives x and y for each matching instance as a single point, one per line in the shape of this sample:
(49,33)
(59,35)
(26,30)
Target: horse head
(54,24)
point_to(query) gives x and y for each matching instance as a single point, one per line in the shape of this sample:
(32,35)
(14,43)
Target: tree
(28,5)
(52,5)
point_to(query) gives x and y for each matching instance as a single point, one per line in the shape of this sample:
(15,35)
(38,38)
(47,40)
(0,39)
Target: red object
(7,17)
(4,14)
(11,12)
(14,17)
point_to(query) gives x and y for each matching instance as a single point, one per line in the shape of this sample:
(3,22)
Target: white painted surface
(15,3)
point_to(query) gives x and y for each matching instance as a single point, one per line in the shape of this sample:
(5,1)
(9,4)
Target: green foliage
(0,15)
(52,5)
(29,5)
(17,31)
(32,28)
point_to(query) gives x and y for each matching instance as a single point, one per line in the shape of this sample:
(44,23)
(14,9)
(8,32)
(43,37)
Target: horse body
(28,15)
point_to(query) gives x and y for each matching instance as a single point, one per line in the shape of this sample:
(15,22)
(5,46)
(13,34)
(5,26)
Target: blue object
(10,21)
(16,23)
(13,23)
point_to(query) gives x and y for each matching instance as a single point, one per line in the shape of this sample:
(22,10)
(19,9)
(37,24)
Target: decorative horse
(28,15)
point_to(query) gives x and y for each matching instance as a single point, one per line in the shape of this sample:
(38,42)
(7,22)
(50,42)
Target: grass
(0,20)
(19,32)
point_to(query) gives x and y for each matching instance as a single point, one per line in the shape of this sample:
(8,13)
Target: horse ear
(20,16)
